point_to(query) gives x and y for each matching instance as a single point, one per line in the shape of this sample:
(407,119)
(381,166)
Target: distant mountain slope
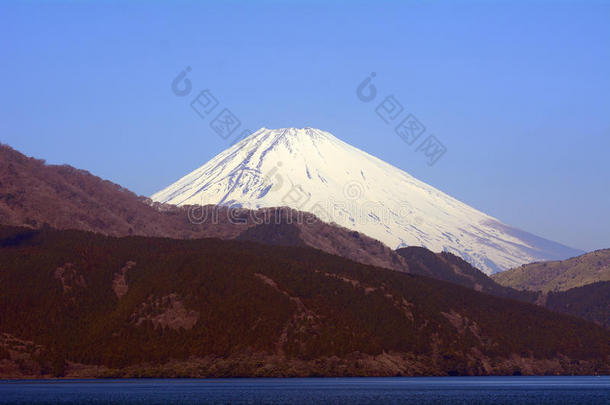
(287,227)
(83,304)
(559,275)
(312,170)
(449,267)
(591,302)
(415,260)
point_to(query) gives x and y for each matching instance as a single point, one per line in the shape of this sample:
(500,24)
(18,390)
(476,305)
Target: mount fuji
(311,170)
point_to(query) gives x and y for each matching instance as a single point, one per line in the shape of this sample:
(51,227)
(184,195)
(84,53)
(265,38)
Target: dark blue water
(433,390)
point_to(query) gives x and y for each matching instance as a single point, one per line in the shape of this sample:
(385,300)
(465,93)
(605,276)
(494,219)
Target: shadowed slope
(218,308)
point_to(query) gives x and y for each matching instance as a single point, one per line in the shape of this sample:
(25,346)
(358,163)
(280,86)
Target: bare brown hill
(559,275)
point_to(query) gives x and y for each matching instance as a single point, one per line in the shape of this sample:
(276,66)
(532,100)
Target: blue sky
(518,92)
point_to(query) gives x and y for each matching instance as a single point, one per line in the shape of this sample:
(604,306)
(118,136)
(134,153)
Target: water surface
(403,390)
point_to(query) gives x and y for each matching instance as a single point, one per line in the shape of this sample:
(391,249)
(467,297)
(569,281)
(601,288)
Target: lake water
(403,390)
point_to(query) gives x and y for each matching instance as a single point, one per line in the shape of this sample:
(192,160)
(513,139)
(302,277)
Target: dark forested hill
(449,267)
(82,304)
(591,302)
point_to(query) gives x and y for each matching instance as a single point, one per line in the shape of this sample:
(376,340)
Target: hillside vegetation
(81,304)
(558,275)
(591,302)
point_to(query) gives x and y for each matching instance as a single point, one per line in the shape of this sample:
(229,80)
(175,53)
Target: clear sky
(517,91)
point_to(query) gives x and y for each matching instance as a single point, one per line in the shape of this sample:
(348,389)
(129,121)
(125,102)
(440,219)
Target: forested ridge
(208,307)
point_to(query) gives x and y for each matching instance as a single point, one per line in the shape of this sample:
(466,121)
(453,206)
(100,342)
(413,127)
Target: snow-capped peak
(311,170)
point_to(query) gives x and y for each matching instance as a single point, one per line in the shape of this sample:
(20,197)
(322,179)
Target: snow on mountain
(311,170)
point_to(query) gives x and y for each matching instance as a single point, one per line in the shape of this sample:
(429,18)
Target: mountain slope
(83,304)
(33,194)
(559,275)
(311,170)
(449,267)
(591,302)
